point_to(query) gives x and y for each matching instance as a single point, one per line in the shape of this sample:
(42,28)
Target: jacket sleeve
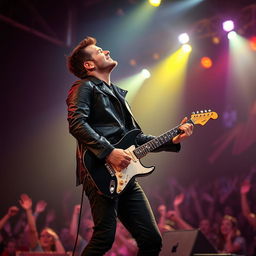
(79,103)
(169,146)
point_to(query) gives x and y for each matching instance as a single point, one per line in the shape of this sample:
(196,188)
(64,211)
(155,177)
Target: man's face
(101,59)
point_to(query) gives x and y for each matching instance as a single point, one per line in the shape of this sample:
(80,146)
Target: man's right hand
(118,159)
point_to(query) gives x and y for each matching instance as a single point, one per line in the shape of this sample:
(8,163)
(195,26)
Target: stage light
(232,35)
(183,38)
(155,3)
(206,62)
(133,62)
(186,48)
(145,73)
(156,56)
(216,40)
(228,25)
(252,43)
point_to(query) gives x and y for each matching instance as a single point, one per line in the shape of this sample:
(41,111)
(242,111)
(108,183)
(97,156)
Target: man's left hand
(187,131)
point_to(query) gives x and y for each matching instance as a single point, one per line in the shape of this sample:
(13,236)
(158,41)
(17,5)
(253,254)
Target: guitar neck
(157,142)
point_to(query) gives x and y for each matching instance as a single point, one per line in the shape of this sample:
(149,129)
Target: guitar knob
(121,182)
(120,175)
(119,190)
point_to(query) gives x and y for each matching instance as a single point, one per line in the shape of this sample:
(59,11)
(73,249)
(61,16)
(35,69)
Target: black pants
(133,210)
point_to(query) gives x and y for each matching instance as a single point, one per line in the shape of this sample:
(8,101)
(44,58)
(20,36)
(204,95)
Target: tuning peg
(202,111)
(197,112)
(209,110)
(193,113)
(205,111)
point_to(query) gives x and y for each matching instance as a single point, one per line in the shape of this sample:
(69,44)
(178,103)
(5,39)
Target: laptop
(185,243)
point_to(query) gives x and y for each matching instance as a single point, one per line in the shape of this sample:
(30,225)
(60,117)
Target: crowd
(222,210)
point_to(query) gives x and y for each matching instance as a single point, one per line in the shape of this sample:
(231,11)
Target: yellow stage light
(155,3)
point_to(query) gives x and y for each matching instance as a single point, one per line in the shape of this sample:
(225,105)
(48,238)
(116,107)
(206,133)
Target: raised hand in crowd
(178,200)
(86,229)
(74,221)
(26,203)
(40,207)
(13,210)
(244,190)
(162,221)
(177,219)
(48,240)
(245,187)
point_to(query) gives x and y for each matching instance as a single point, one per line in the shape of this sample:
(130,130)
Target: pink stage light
(228,25)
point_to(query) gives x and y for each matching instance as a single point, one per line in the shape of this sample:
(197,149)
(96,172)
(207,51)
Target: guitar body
(112,182)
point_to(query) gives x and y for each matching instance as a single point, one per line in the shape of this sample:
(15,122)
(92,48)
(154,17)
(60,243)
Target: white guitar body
(135,168)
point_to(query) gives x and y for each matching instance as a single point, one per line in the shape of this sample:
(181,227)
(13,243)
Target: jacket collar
(106,87)
(94,79)
(100,84)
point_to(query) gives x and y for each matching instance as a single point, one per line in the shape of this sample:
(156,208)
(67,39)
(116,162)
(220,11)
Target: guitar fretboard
(155,143)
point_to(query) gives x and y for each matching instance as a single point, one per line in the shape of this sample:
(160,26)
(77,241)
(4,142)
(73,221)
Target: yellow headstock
(202,117)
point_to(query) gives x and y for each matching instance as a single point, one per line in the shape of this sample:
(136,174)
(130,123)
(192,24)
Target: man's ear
(89,65)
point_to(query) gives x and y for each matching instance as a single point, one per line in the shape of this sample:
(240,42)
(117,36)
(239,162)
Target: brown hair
(75,62)
(232,219)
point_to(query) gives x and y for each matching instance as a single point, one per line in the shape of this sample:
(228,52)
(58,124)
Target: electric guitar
(112,182)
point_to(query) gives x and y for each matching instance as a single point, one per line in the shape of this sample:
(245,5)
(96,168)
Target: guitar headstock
(203,116)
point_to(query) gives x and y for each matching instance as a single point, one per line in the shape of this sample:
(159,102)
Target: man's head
(87,58)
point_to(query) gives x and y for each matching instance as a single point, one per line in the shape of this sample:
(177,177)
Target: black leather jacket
(97,120)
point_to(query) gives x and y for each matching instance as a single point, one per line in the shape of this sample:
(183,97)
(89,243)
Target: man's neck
(102,76)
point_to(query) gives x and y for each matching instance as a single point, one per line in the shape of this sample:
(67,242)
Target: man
(98,118)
